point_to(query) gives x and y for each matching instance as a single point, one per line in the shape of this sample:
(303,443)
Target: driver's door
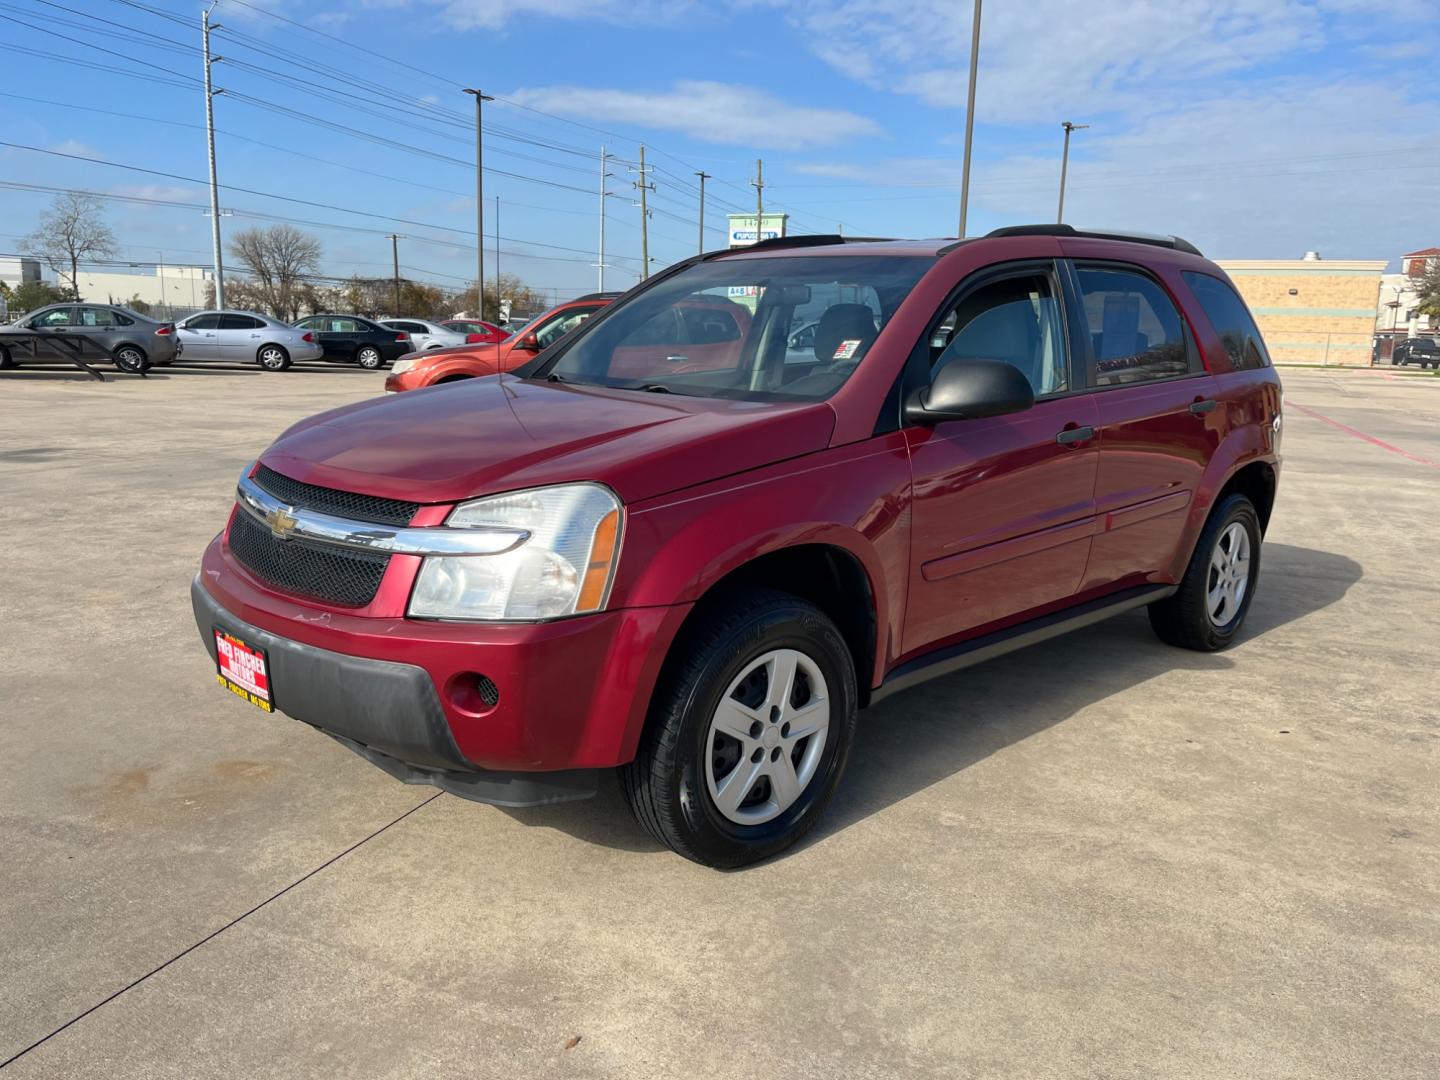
(199,337)
(1003,507)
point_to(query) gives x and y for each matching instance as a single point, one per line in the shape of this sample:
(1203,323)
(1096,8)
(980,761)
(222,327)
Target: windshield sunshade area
(761,329)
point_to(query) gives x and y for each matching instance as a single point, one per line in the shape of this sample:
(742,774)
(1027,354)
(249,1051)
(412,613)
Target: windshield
(784,329)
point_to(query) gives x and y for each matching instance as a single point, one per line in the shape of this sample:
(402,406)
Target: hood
(495,434)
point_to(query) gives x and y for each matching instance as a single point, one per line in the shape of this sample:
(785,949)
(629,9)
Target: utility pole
(219,266)
(480,99)
(1064,165)
(497,256)
(759,184)
(645,187)
(970,119)
(395,256)
(600,265)
(703,177)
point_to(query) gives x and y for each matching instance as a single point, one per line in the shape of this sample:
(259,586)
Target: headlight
(403,365)
(564,568)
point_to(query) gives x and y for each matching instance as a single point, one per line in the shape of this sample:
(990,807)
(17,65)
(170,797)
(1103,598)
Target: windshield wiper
(554,377)
(652,388)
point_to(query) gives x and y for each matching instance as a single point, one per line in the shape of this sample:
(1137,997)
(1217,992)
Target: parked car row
(136,343)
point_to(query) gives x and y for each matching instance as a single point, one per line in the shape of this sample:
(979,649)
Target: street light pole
(703,177)
(497,256)
(1064,166)
(970,118)
(219,266)
(480,99)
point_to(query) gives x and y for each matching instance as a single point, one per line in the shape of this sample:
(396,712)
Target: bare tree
(71,230)
(279,258)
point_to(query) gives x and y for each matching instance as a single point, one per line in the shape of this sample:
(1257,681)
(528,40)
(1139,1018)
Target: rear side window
(1231,319)
(1136,334)
(240,322)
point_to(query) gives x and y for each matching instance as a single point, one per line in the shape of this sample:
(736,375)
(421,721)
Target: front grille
(344,504)
(344,578)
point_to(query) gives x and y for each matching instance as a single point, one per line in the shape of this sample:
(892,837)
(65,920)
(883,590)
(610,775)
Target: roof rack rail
(607,295)
(1174,242)
(802,241)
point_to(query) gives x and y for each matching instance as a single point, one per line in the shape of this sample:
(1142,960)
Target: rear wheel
(6,362)
(1208,609)
(130,359)
(272,358)
(369,358)
(749,731)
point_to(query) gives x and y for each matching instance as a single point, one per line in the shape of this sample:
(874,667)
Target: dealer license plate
(243,669)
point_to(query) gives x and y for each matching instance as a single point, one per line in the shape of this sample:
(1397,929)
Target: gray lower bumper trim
(485,785)
(388,713)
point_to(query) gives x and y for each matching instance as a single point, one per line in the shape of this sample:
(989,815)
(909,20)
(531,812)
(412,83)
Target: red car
(692,554)
(472,361)
(476,330)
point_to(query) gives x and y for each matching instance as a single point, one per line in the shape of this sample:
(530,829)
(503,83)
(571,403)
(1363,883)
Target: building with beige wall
(1312,310)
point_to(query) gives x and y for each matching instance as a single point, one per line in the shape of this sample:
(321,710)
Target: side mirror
(528,342)
(970,390)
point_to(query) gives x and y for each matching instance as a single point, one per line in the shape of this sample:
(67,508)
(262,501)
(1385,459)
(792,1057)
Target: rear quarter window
(1231,319)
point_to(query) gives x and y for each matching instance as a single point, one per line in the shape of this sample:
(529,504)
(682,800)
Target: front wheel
(1208,609)
(6,362)
(272,358)
(130,359)
(369,358)
(749,731)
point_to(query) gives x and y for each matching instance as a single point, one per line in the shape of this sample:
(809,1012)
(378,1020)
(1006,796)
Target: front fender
(855,498)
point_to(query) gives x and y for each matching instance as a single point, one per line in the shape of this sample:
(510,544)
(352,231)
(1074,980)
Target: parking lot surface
(1097,857)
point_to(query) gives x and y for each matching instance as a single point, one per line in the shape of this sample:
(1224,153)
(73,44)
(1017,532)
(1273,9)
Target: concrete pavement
(1099,857)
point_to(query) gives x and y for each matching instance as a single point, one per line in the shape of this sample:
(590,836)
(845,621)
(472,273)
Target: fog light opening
(474,693)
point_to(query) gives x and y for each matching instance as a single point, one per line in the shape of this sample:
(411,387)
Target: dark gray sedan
(64,332)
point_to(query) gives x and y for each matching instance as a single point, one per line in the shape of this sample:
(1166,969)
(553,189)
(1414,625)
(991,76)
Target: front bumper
(572,694)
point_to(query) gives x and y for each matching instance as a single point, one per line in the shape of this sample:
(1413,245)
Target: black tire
(1184,619)
(369,358)
(272,357)
(666,786)
(6,363)
(130,359)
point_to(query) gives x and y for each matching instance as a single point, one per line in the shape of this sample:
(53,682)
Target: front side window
(550,332)
(727,327)
(51,318)
(204,322)
(1015,320)
(1136,333)
(1231,319)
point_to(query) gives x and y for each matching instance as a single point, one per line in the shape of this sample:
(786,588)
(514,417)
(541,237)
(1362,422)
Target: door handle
(1075,435)
(1203,406)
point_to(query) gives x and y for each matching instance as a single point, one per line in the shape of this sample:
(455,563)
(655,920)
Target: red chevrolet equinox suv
(692,549)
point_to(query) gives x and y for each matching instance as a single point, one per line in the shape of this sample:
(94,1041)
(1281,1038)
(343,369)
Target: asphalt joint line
(216,933)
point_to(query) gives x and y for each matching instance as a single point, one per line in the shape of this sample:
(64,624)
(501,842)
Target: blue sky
(1256,128)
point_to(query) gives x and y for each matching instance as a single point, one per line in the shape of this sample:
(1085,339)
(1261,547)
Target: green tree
(29,295)
(1428,288)
(72,231)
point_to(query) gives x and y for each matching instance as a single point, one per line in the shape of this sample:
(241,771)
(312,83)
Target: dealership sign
(742,228)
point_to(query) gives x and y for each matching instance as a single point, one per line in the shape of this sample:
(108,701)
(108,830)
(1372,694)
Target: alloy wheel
(1229,575)
(766,737)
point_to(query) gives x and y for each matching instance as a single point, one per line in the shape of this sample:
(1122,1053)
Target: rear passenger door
(1158,419)
(1003,507)
(239,337)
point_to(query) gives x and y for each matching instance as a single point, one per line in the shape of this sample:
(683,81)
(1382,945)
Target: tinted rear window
(1231,319)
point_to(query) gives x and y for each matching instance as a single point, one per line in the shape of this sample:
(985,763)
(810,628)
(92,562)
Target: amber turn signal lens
(597,571)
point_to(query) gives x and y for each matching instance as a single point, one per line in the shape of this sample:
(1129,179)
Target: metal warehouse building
(1312,310)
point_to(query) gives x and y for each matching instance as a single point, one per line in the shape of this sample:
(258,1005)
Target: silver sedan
(426,335)
(245,337)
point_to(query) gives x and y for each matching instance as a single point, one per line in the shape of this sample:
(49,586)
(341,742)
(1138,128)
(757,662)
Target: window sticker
(845,350)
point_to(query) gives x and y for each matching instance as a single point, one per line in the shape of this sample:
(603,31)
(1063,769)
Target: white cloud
(710,112)
(1056,58)
(493,14)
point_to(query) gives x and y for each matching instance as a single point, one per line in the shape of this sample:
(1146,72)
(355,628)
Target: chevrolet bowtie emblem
(282,522)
